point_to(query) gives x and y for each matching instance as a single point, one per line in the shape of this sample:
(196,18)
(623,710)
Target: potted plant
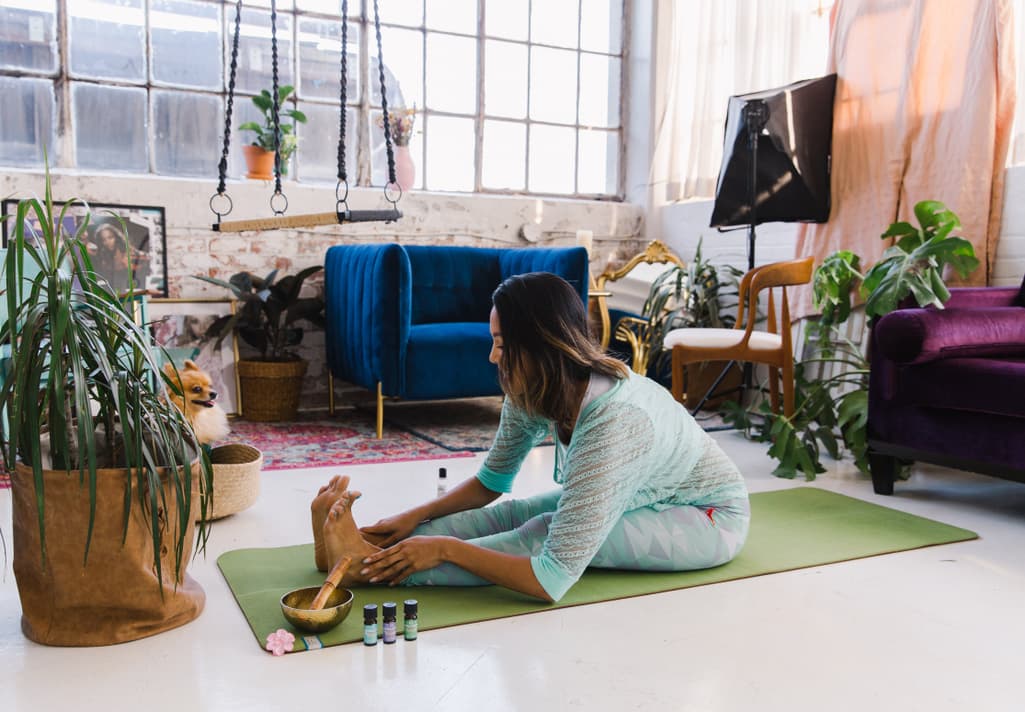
(832,411)
(401,129)
(693,296)
(272,383)
(260,153)
(104,470)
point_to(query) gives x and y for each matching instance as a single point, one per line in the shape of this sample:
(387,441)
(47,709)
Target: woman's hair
(547,349)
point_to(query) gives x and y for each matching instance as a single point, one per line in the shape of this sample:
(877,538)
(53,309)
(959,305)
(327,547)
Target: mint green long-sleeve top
(633,446)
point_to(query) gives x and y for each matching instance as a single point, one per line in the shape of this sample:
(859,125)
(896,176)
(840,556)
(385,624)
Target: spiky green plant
(84,372)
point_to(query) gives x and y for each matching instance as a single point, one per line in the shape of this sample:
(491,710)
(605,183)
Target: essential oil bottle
(410,619)
(389,611)
(442,481)
(370,624)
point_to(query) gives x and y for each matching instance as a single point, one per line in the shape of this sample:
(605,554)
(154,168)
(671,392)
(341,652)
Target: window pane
(254,51)
(553,85)
(403,68)
(599,90)
(452,73)
(601,25)
(505,154)
(598,163)
(243,112)
(505,79)
(26,121)
(326,7)
(452,16)
(379,155)
(187,133)
(110,128)
(185,41)
(554,22)
(281,4)
(28,36)
(398,12)
(102,47)
(506,18)
(450,148)
(318,143)
(551,159)
(320,46)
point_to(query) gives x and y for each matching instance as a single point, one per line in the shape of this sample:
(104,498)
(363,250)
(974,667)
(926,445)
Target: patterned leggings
(680,538)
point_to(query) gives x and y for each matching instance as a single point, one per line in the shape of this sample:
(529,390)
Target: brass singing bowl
(295,605)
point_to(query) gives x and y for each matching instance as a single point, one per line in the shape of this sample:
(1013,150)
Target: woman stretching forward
(643,487)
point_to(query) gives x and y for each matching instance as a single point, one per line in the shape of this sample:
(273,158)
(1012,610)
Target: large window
(516,96)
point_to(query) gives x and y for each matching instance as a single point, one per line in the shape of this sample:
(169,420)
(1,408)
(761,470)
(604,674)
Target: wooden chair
(632,330)
(742,343)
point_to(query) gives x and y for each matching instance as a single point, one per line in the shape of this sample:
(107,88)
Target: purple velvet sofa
(948,386)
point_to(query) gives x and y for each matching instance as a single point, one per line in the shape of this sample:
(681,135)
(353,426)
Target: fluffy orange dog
(207,418)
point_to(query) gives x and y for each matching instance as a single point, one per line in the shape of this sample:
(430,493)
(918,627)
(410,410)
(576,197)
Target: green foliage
(84,388)
(269,311)
(287,139)
(831,413)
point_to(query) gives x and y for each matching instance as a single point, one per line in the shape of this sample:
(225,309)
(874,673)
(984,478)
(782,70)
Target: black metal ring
(396,199)
(344,198)
(214,210)
(283,197)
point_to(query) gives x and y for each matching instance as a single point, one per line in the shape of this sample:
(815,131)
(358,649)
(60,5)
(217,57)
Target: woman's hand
(392,529)
(395,563)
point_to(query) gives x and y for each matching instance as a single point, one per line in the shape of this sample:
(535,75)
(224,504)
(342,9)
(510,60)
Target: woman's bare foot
(321,505)
(342,538)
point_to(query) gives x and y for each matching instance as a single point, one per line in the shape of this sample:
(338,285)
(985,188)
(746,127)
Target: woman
(643,487)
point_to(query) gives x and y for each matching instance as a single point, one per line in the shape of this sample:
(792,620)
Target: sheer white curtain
(714,49)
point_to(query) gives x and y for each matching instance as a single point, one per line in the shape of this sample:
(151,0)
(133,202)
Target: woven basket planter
(270,389)
(236,478)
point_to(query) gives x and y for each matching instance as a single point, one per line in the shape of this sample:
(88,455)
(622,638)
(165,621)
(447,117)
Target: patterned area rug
(467,424)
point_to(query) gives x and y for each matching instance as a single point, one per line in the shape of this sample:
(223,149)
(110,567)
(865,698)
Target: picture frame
(180,326)
(105,238)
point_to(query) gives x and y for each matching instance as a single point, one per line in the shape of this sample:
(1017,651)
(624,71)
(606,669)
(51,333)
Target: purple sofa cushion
(910,336)
(980,385)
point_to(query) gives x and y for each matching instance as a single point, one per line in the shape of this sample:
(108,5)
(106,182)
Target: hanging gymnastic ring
(387,196)
(215,211)
(283,197)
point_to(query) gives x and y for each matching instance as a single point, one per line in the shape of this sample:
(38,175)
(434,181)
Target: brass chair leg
(380,412)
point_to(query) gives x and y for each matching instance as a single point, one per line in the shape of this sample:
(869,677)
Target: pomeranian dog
(208,420)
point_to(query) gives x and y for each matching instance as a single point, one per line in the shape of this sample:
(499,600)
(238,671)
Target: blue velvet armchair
(411,322)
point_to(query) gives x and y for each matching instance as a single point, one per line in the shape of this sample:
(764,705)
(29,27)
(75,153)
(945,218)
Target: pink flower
(280,641)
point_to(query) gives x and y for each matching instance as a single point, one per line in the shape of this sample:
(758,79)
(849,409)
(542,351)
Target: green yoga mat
(790,529)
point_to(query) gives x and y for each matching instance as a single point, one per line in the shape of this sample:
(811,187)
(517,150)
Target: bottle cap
(370,613)
(442,472)
(409,607)
(388,610)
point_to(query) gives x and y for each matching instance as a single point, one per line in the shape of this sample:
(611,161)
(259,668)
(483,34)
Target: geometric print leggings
(681,538)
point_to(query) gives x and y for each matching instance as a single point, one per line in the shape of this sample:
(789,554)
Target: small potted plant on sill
(107,480)
(401,128)
(260,153)
(272,383)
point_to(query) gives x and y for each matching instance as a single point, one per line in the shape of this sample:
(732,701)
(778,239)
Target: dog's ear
(170,370)
(190,365)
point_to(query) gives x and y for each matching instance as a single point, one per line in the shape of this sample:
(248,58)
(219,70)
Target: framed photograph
(181,325)
(146,260)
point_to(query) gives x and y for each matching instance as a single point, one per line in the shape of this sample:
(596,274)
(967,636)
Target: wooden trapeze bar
(279,222)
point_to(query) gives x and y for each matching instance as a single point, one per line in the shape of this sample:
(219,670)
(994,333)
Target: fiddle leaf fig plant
(831,412)
(264,133)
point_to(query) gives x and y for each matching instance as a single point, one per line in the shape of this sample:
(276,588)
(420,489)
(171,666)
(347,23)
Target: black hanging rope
(222,166)
(275,108)
(343,96)
(384,100)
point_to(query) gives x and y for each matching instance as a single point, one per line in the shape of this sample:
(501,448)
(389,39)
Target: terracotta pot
(260,162)
(271,389)
(405,169)
(113,596)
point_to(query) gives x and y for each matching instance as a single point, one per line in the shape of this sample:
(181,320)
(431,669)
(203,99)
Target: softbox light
(776,156)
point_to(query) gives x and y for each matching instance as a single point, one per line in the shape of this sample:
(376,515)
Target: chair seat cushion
(982,385)
(721,339)
(450,360)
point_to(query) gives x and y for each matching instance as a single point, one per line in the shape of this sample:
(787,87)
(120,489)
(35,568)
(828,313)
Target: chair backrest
(655,253)
(767,277)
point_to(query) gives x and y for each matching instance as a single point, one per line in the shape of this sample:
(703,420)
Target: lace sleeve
(517,434)
(606,464)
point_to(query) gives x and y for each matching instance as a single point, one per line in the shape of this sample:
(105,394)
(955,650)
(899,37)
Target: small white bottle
(442,481)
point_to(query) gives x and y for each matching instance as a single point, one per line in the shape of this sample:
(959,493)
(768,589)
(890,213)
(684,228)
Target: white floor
(941,628)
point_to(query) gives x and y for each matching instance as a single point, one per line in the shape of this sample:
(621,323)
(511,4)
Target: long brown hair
(547,349)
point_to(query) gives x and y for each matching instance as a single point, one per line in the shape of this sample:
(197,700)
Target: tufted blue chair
(412,321)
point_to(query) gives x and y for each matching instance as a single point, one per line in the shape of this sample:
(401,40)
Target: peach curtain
(924,109)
